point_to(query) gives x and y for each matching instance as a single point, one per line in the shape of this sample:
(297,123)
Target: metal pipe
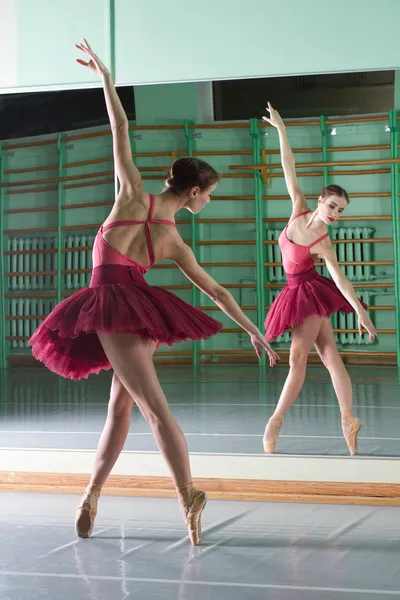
(258,213)
(395,223)
(195,292)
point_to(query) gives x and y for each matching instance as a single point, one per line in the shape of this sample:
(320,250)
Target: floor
(250,551)
(221,410)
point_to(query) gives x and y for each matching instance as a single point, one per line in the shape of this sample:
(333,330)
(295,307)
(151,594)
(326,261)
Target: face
(330,208)
(199,198)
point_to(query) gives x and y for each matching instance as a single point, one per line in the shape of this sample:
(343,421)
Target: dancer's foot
(351,426)
(271,433)
(192,503)
(87,510)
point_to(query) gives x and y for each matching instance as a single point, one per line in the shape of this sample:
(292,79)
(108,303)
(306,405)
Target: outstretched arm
(329,255)
(288,161)
(128,175)
(182,255)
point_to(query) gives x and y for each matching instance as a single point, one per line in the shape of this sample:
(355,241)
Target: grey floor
(221,410)
(250,551)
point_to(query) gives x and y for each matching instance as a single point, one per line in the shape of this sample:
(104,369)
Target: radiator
(355,251)
(25,309)
(82,259)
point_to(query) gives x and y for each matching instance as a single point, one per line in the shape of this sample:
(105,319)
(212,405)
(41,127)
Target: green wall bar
(258,215)
(195,291)
(394,139)
(325,156)
(3,246)
(60,218)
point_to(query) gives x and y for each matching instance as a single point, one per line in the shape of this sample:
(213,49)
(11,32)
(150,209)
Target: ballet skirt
(306,294)
(118,299)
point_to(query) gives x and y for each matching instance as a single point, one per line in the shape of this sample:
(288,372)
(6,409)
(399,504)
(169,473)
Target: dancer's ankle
(185,493)
(278,416)
(94,488)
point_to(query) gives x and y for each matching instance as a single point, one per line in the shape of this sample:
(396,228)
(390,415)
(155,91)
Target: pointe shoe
(271,433)
(86,513)
(192,515)
(351,426)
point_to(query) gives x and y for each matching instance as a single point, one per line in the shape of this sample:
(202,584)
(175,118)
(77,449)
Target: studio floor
(250,551)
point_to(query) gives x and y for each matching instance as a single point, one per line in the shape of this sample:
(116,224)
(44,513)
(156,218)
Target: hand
(259,342)
(274,117)
(94,63)
(365,322)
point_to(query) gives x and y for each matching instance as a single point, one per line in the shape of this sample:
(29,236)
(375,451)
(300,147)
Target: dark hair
(187,173)
(334,190)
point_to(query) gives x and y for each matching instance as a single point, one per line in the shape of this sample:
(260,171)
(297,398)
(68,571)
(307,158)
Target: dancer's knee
(298,358)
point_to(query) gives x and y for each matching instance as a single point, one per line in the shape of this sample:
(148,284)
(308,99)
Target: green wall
(247,280)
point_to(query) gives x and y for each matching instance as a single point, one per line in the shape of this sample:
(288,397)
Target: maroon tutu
(305,295)
(118,300)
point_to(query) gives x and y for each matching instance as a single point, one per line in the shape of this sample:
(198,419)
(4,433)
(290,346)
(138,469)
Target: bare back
(148,227)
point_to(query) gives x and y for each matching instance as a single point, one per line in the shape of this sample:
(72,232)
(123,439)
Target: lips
(331,220)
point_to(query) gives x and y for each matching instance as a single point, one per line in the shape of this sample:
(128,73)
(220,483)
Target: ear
(320,200)
(193,192)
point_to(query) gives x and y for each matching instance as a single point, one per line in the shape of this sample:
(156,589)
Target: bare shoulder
(325,248)
(174,247)
(129,194)
(299,205)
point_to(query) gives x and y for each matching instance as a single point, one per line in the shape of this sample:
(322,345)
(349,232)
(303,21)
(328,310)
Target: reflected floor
(221,410)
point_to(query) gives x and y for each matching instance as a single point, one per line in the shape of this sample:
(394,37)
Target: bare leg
(115,432)
(303,339)
(111,442)
(326,348)
(131,359)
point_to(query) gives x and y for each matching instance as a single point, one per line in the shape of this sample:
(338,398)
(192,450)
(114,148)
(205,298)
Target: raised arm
(288,161)
(128,175)
(182,255)
(328,253)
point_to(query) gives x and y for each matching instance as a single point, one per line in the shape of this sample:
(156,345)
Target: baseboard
(377,494)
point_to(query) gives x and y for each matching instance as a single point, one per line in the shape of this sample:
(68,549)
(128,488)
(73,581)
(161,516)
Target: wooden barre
(224,330)
(334,163)
(351,195)
(234,125)
(333,173)
(203,308)
(231,352)
(9,295)
(207,264)
(198,243)
(55,188)
(343,263)
(364,285)
(356,240)
(264,152)
(44,251)
(345,218)
(188,221)
(31,170)
(57,179)
(253,307)
(31,190)
(337,149)
(330,121)
(15,211)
